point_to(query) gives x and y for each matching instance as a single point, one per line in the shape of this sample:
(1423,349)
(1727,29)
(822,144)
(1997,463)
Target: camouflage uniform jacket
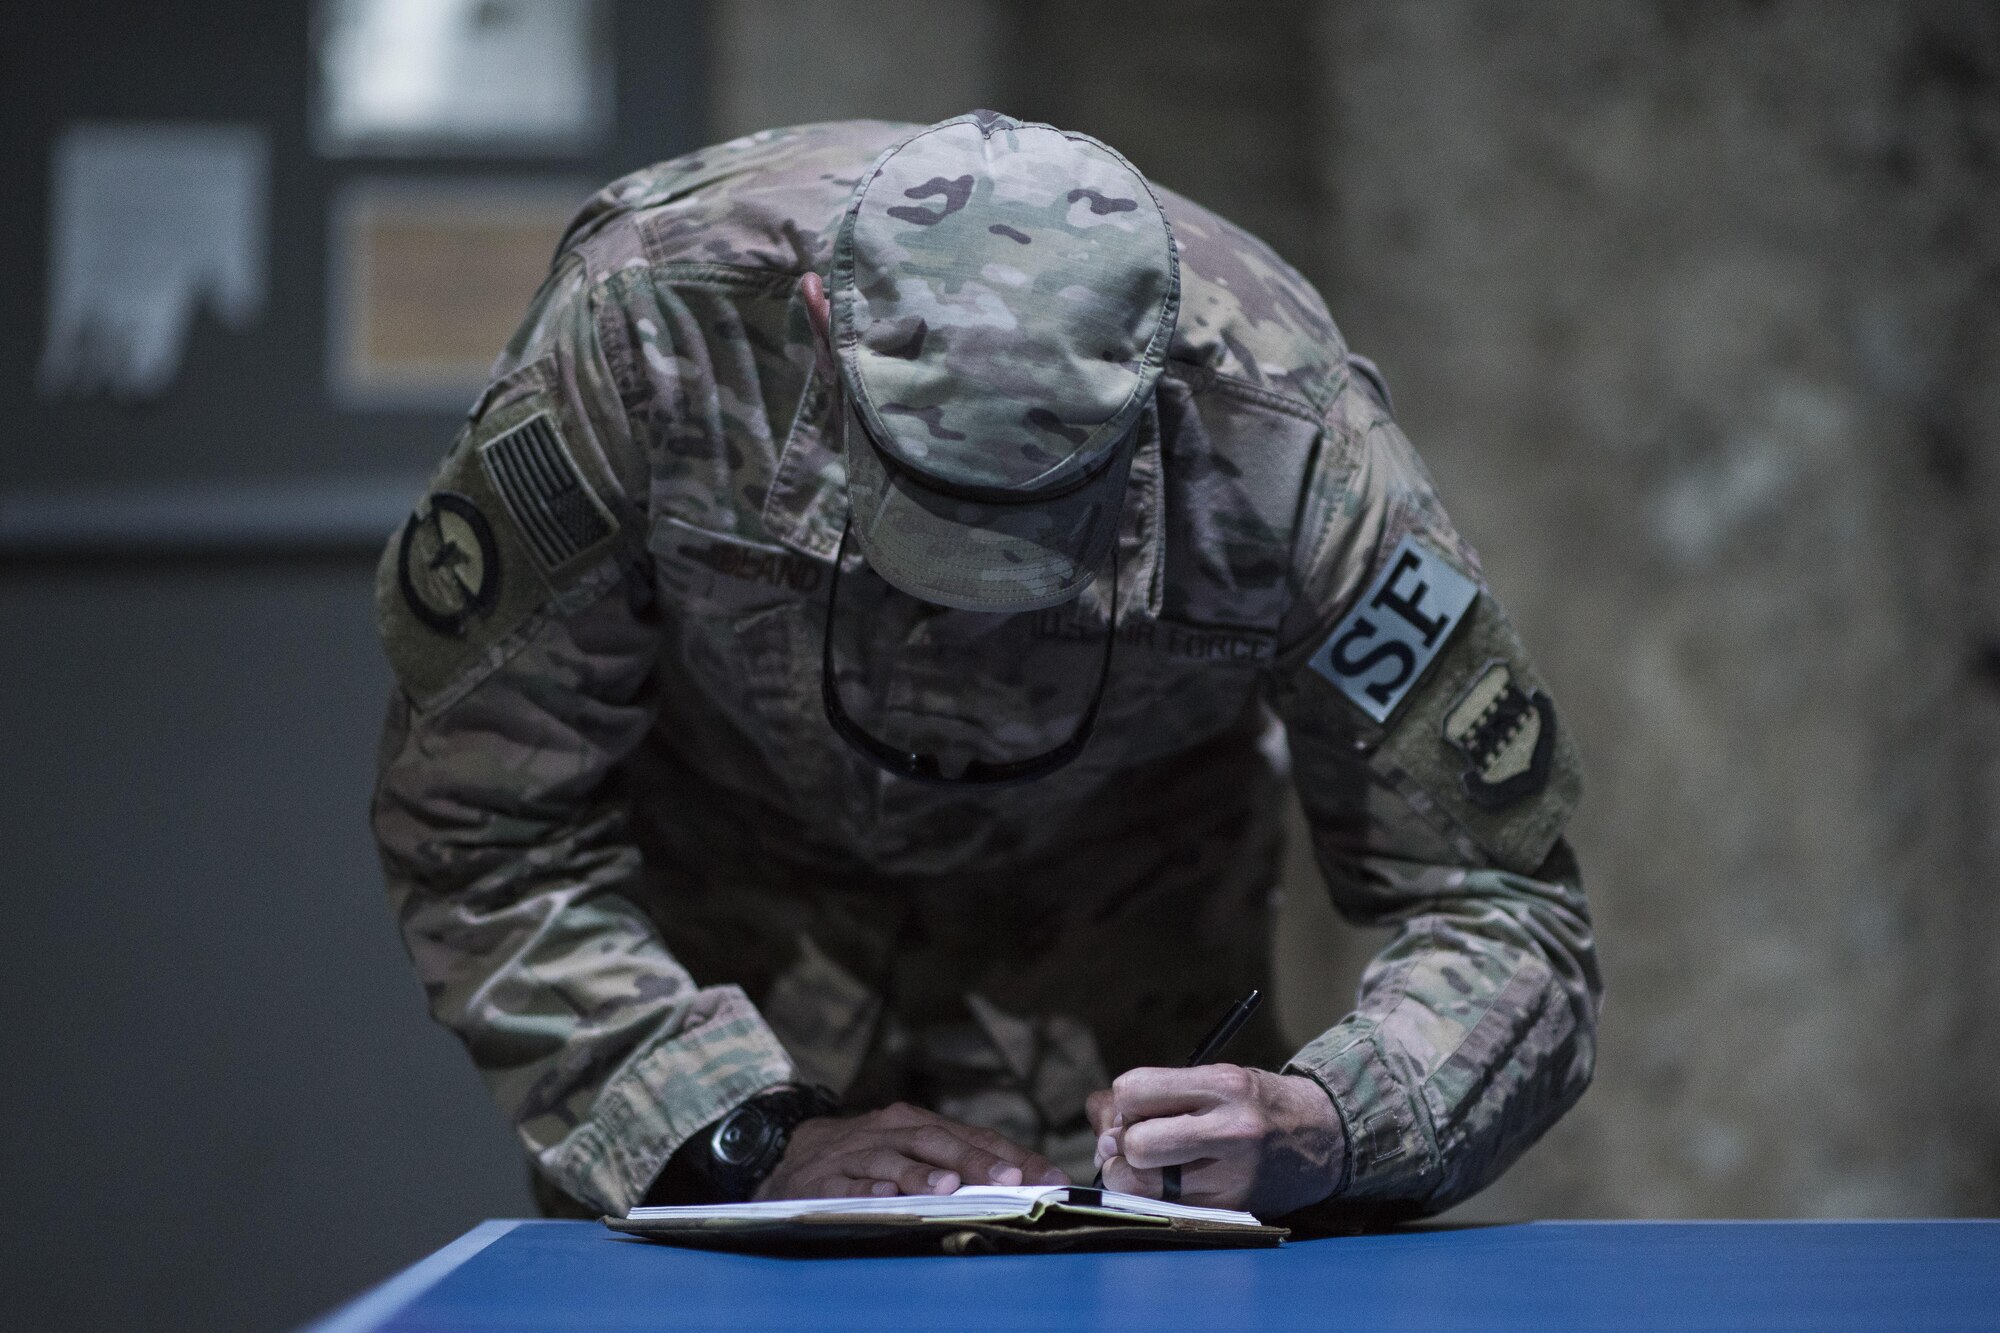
(642,879)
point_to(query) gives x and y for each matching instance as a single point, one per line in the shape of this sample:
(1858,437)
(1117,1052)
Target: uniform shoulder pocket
(516,522)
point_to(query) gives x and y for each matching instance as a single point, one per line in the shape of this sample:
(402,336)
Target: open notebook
(975,1219)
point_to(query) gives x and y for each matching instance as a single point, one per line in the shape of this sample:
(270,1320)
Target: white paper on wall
(149,222)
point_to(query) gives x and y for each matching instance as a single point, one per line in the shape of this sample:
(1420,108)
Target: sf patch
(448,563)
(1381,650)
(1507,735)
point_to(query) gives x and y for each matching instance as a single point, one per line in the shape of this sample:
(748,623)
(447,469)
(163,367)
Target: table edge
(368,1310)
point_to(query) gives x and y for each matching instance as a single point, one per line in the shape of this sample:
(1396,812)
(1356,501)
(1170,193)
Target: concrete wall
(1681,303)
(1690,307)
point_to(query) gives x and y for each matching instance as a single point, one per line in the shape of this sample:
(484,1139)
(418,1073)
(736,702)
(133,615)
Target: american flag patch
(558,515)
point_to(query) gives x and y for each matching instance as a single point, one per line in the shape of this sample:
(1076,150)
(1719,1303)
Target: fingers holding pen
(1147,1092)
(1203,1183)
(1101,1109)
(1242,1137)
(1156,1105)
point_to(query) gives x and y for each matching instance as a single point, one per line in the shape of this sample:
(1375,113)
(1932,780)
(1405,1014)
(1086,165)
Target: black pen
(1204,1053)
(1219,1036)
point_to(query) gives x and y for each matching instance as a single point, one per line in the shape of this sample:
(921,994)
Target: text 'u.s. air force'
(1382,648)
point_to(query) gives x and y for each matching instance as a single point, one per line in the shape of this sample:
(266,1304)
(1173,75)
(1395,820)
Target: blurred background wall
(1692,308)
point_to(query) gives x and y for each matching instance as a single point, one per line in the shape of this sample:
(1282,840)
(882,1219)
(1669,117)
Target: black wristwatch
(726,1161)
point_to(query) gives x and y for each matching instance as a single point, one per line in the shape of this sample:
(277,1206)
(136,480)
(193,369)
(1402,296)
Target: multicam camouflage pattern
(641,877)
(978,556)
(1039,266)
(1033,263)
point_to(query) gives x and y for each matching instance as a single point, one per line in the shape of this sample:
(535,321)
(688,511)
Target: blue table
(551,1276)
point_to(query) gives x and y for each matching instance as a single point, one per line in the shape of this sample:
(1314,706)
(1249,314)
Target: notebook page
(969,1203)
(983,1201)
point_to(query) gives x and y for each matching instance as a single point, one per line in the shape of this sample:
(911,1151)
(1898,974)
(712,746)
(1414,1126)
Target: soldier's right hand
(900,1149)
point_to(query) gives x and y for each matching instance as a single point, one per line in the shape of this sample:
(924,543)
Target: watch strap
(781,1111)
(727,1159)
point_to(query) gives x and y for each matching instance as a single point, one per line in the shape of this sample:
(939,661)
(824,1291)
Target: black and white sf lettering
(1392,635)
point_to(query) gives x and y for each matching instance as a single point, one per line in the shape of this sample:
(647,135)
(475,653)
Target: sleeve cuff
(667,1091)
(1391,1155)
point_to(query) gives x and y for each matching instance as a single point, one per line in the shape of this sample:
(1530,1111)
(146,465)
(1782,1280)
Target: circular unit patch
(449,563)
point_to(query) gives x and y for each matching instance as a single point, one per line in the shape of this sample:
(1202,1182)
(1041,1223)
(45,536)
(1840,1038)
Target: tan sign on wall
(430,279)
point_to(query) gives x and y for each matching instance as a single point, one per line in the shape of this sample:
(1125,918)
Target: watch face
(741,1136)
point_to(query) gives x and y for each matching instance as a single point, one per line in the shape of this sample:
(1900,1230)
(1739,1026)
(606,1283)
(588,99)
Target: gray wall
(229,1109)
(1690,306)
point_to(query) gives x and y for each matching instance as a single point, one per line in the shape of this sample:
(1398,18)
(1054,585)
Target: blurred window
(461,76)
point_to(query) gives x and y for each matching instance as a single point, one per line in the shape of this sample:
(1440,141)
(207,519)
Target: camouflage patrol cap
(1003,296)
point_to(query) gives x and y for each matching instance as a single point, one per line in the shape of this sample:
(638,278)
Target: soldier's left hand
(1243,1138)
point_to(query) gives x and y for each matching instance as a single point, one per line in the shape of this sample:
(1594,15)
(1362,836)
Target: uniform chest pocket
(1177,684)
(744,622)
(713,574)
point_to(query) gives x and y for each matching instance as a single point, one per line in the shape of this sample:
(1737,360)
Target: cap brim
(978,556)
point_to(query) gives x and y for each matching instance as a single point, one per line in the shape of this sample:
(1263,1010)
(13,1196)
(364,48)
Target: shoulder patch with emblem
(1457,721)
(1381,650)
(1507,735)
(513,525)
(448,563)
(1477,749)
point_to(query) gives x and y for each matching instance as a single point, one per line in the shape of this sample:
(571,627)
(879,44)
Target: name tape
(1193,642)
(755,564)
(1379,652)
